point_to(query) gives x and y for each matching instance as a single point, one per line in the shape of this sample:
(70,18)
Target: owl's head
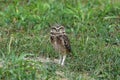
(57,29)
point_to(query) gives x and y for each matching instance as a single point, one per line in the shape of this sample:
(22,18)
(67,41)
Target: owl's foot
(60,59)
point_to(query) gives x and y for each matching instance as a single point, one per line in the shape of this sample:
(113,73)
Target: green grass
(93,28)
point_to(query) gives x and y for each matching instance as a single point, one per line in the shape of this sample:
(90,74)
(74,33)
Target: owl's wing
(66,43)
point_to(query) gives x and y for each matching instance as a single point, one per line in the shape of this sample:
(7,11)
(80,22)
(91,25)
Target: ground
(93,27)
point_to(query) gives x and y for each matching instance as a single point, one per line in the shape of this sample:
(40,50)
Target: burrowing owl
(60,42)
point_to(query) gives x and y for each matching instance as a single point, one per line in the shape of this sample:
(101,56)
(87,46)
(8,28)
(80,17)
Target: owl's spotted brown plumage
(60,42)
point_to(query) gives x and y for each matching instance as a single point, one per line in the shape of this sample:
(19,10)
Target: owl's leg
(60,59)
(63,60)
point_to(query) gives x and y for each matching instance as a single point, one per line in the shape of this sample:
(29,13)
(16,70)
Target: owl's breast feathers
(64,42)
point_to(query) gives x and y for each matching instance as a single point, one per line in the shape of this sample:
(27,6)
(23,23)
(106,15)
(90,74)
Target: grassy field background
(93,27)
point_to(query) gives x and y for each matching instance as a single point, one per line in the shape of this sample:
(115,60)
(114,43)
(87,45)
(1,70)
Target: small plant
(92,26)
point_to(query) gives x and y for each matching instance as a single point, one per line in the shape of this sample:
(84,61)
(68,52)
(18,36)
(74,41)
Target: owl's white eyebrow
(61,27)
(57,27)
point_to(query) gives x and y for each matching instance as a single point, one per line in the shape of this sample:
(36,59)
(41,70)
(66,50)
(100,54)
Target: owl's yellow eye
(62,30)
(53,30)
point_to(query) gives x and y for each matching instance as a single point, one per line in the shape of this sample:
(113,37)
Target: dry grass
(92,26)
